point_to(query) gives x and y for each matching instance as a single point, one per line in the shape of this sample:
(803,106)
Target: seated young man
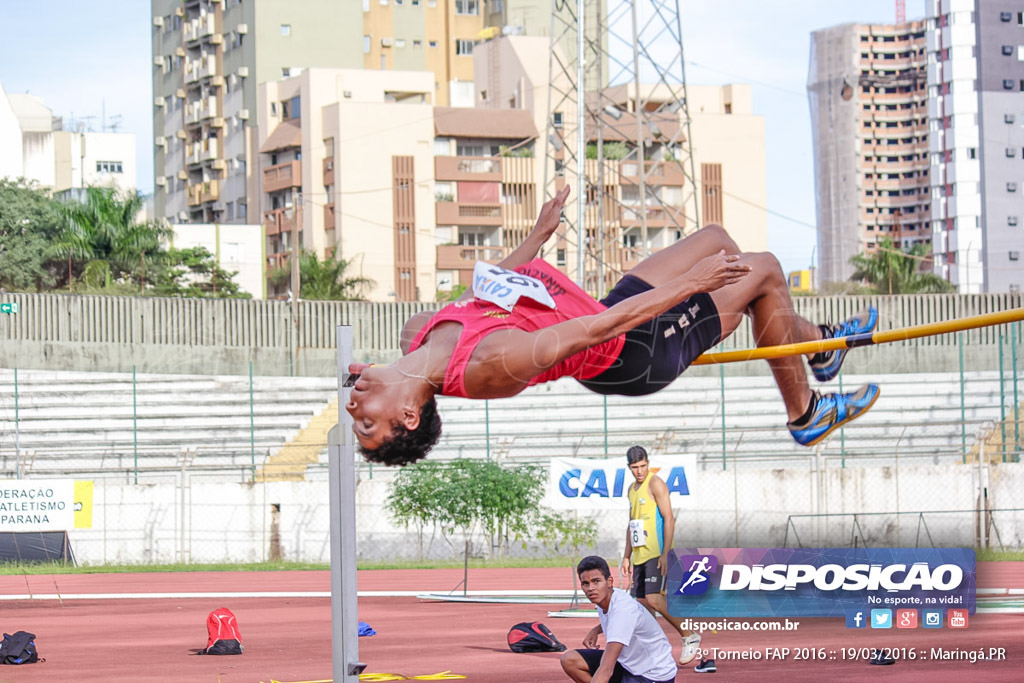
(636,649)
(659,317)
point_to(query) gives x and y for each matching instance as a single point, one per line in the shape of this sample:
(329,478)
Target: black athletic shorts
(619,675)
(658,351)
(647,579)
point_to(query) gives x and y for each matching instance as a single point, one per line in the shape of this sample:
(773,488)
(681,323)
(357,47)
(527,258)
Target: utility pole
(296,246)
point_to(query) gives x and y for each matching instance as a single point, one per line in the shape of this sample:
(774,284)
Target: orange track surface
(289,639)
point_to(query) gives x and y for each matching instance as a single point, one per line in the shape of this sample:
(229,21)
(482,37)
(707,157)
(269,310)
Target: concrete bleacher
(916,414)
(68,421)
(85,422)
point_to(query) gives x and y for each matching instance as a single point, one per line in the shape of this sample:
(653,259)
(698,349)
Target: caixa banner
(817,582)
(601,484)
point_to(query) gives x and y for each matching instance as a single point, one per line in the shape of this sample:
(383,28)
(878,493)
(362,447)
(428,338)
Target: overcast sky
(84,57)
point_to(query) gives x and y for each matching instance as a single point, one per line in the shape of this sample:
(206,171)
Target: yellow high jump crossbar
(868,339)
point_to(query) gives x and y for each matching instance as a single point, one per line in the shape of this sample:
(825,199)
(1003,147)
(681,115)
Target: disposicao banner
(820,582)
(601,484)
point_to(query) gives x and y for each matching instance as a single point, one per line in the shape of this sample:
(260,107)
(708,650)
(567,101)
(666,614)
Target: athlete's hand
(590,640)
(716,271)
(626,572)
(663,565)
(550,216)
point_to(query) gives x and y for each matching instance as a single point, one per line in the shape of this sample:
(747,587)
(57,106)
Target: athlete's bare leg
(576,667)
(669,263)
(764,295)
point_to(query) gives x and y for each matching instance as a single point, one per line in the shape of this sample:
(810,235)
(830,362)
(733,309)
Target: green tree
(325,280)
(29,220)
(891,271)
(104,227)
(452,294)
(468,495)
(193,273)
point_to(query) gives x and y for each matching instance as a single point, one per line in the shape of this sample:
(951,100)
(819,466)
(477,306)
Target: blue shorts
(659,350)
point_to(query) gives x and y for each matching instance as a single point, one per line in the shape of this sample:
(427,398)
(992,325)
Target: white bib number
(637,534)
(504,287)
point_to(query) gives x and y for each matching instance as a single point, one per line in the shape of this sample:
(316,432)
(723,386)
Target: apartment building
(868,94)
(352,147)
(975,79)
(728,154)
(208,57)
(35,145)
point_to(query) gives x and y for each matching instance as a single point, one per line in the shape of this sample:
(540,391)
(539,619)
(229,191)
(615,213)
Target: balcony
(198,152)
(462,257)
(478,169)
(632,256)
(282,176)
(277,221)
(657,216)
(658,173)
(469,213)
(200,193)
(197,69)
(329,216)
(328,171)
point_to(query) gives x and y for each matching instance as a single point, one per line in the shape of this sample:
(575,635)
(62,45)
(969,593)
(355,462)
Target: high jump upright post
(341,450)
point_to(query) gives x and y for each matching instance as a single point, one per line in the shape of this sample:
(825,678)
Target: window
(291,109)
(1007,84)
(467,7)
(464,47)
(1005,17)
(1008,118)
(556,119)
(560,257)
(1011,152)
(1012,221)
(400,42)
(1020,53)
(286,71)
(972,153)
(417,43)
(286,29)
(432,43)
(1007,50)
(109,167)
(1011,186)
(366,45)
(1014,255)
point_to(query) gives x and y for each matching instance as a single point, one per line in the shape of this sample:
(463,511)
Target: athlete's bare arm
(547,222)
(659,491)
(505,361)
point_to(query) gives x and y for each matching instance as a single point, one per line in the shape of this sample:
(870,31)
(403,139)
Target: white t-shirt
(645,649)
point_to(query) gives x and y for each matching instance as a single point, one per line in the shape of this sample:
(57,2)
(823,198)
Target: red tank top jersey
(480,318)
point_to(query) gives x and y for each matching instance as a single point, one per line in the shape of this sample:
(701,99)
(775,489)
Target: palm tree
(324,280)
(104,227)
(891,271)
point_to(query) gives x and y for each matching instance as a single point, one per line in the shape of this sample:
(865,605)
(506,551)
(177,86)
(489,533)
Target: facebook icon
(855,618)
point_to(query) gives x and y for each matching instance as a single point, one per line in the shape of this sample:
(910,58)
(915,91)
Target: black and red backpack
(224,636)
(533,636)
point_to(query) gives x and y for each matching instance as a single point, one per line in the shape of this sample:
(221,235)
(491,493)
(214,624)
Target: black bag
(19,648)
(533,636)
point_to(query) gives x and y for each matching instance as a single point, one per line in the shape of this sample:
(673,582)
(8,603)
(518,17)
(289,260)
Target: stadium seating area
(71,422)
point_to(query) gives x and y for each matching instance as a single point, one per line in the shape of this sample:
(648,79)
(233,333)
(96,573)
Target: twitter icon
(881,618)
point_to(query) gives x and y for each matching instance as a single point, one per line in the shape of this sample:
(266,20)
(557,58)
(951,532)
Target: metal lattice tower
(634,110)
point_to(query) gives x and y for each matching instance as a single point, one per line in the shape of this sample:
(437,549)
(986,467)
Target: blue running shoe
(706,666)
(832,411)
(825,366)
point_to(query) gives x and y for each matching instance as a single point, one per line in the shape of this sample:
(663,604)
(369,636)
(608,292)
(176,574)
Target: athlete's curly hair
(407,446)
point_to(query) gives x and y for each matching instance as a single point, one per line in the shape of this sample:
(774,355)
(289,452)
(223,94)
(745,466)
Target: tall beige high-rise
(869,117)
(208,56)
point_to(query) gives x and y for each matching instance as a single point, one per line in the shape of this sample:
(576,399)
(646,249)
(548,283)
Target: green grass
(990,555)
(9,568)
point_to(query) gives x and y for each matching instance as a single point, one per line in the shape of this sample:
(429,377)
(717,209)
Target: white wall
(11,164)
(737,507)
